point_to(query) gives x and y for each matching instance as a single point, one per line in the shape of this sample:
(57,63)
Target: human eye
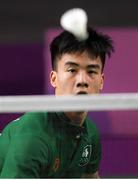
(92,71)
(71,70)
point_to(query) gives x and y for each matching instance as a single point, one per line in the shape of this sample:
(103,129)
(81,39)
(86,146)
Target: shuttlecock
(75,21)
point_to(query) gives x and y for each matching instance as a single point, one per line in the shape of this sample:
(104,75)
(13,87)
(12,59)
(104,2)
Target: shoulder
(27,133)
(27,137)
(30,124)
(27,118)
(31,130)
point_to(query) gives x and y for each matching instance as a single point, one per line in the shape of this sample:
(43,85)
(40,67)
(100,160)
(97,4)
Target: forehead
(79,58)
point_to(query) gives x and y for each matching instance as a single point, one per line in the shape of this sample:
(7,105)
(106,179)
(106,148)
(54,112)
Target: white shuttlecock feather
(75,21)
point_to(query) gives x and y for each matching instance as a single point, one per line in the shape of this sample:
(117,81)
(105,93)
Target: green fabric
(46,145)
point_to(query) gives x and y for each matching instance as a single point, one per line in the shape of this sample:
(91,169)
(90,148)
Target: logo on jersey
(85,156)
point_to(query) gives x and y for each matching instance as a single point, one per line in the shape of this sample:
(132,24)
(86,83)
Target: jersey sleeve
(93,165)
(26,157)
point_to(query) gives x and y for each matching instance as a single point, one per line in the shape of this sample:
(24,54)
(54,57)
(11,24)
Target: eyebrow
(70,63)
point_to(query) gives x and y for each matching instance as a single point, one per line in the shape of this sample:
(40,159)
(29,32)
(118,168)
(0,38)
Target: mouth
(81,92)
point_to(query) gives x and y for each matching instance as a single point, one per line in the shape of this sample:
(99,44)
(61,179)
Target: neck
(76,118)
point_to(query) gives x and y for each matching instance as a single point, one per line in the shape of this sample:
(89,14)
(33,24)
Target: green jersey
(47,145)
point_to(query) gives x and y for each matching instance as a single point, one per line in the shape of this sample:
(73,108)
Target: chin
(81,113)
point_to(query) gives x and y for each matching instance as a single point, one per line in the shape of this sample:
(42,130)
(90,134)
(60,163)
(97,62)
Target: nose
(82,80)
(85,85)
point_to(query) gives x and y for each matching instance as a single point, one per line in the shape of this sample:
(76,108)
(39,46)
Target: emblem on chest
(85,155)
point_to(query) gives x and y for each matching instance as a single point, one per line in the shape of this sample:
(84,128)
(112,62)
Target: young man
(66,144)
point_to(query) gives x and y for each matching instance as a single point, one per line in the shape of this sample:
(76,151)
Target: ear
(53,78)
(102,82)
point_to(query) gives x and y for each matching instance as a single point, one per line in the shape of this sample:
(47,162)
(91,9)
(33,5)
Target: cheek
(62,80)
(97,85)
(65,84)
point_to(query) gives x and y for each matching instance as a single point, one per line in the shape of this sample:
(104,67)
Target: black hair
(97,44)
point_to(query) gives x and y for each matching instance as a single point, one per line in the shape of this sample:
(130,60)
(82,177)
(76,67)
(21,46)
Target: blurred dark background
(25,20)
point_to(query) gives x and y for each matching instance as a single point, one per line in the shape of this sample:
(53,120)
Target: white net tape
(98,102)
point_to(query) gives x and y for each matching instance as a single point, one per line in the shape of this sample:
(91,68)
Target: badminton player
(65,144)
